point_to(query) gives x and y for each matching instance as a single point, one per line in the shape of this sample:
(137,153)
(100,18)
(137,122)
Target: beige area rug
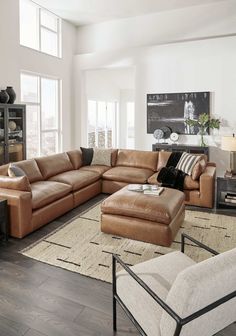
(81,247)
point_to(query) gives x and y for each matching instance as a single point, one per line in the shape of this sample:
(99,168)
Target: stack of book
(147,189)
(230,198)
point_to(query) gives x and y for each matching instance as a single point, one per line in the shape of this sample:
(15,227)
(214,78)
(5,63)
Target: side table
(4,224)
(226,193)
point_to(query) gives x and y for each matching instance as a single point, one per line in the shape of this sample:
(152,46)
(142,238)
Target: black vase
(12,95)
(4,97)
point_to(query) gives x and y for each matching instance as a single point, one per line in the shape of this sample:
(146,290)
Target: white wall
(205,65)
(215,19)
(14,58)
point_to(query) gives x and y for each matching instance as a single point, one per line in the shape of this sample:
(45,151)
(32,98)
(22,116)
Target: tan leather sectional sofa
(56,184)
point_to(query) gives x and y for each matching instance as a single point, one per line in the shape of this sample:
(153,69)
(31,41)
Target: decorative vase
(4,97)
(12,94)
(202,131)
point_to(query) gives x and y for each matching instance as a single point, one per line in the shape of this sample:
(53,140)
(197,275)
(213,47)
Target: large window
(102,124)
(39,29)
(130,126)
(41,95)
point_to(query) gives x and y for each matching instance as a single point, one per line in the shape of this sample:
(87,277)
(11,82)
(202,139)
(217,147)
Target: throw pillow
(102,157)
(187,162)
(87,156)
(14,171)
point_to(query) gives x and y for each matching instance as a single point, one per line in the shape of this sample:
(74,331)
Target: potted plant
(203,122)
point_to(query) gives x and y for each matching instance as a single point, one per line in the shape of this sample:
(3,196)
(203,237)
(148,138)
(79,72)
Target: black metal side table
(226,193)
(4,224)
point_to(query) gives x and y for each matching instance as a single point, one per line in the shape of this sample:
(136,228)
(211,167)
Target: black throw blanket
(170,176)
(174,159)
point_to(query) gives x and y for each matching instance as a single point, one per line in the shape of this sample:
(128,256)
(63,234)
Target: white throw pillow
(187,162)
(101,157)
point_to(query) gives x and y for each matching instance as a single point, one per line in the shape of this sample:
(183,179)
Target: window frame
(41,131)
(40,26)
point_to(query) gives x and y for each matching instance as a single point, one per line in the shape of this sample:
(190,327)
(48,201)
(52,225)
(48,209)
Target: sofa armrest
(20,183)
(20,211)
(207,185)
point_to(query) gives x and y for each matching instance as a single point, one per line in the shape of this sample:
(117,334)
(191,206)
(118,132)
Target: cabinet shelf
(15,138)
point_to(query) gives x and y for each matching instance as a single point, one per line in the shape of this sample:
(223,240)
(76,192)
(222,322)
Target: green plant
(203,122)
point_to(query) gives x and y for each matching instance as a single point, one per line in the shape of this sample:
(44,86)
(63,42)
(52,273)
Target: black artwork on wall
(171,109)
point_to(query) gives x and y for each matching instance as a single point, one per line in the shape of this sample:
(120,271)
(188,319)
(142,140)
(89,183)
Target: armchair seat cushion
(128,174)
(77,179)
(46,192)
(159,274)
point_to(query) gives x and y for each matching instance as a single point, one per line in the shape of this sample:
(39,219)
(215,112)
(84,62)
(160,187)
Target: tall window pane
(49,103)
(101,124)
(39,28)
(32,131)
(48,20)
(41,96)
(29,88)
(29,24)
(92,123)
(49,143)
(130,125)
(48,42)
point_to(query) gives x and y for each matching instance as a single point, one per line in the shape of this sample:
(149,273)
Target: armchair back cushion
(137,159)
(54,164)
(198,286)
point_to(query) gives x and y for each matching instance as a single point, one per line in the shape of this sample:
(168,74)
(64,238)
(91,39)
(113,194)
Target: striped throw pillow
(187,162)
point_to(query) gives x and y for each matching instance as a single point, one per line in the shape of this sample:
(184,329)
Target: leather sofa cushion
(137,159)
(135,204)
(46,192)
(54,164)
(77,179)
(31,170)
(190,184)
(128,174)
(16,183)
(114,154)
(162,159)
(96,168)
(75,158)
(199,168)
(153,179)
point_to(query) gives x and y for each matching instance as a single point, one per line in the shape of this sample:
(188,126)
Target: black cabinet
(226,193)
(181,148)
(12,133)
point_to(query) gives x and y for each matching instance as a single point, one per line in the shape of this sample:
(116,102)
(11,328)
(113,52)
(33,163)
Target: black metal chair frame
(180,322)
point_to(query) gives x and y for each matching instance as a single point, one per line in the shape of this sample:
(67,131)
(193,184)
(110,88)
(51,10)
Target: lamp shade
(228,143)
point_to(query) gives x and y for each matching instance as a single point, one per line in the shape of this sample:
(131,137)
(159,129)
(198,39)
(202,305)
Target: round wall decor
(167,131)
(158,134)
(174,137)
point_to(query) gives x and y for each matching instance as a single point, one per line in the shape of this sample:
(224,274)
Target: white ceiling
(82,12)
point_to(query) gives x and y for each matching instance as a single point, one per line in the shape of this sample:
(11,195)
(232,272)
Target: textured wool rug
(81,247)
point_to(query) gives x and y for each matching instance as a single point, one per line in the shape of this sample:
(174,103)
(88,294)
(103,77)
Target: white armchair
(172,295)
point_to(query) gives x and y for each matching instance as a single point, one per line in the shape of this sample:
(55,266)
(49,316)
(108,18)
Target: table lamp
(229,144)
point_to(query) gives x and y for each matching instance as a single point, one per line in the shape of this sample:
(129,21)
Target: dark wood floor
(37,299)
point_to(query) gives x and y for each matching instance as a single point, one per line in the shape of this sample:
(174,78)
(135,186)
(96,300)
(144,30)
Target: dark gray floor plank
(12,328)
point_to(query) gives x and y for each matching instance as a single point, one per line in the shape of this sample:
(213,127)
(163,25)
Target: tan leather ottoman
(152,219)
